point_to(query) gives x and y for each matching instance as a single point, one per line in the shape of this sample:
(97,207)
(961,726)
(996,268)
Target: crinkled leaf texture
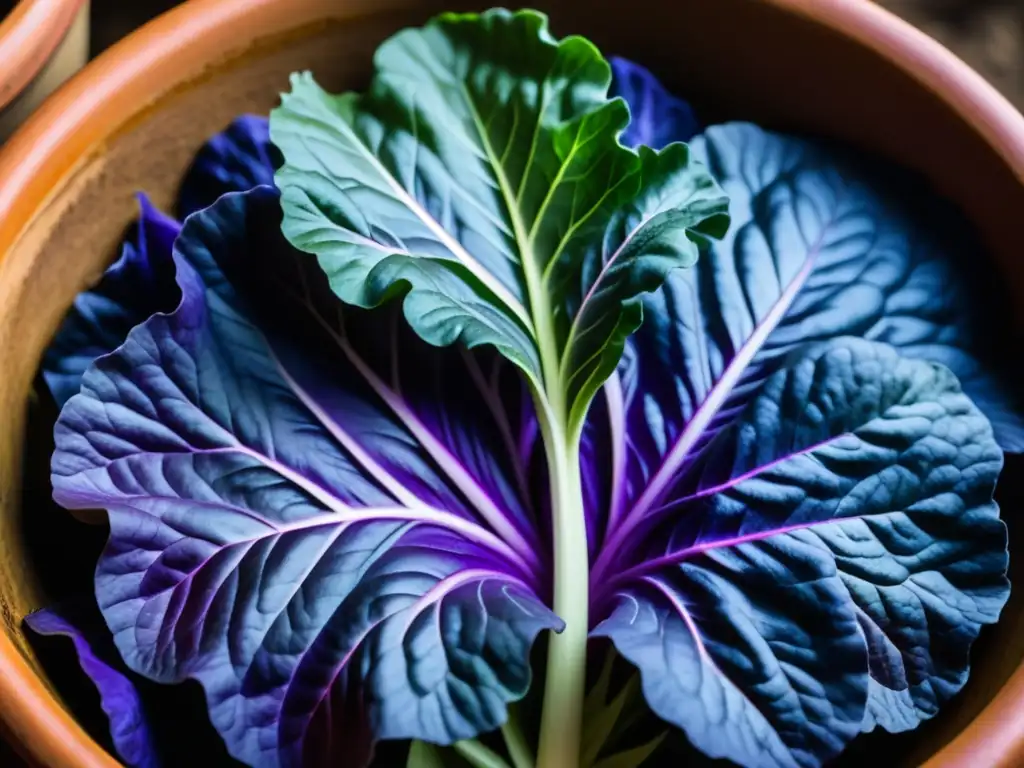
(482,175)
(768,484)
(135,286)
(851,499)
(239,158)
(307,514)
(130,730)
(745,484)
(142,281)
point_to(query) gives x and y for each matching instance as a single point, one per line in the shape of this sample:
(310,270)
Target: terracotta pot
(134,117)
(42,43)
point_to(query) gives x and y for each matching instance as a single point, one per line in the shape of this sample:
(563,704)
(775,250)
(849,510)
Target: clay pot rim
(29,35)
(117,86)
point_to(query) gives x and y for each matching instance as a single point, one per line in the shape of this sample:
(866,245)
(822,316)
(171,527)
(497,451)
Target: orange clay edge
(29,35)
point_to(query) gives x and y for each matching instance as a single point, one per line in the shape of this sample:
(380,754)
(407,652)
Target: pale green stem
(564,690)
(479,755)
(518,748)
(562,716)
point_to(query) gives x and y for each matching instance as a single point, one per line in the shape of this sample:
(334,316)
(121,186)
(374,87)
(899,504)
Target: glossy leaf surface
(482,175)
(318,538)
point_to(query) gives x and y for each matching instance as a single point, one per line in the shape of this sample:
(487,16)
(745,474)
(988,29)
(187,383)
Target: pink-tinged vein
(750,474)
(339,511)
(684,614)
(390,483)
(423,513)
(674,558)
(368,563)
(434,595)
(339,668)
(677,455)
(488,394)
(247,545)
(709,408)
(463,480)
(702,651)
(341,517)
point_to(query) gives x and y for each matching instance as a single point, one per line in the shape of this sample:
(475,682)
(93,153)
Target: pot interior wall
(735,58)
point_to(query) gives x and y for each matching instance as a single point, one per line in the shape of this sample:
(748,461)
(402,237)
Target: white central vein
(680,451)
(454,246)
(390,483)
(716,399)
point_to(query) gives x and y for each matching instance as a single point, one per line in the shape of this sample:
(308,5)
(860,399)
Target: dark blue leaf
(657,118)
(316,532)
(753,652)
(141,281)
(820,248)
(815,253)
(135,286)
(130,729)
(238,159)
(851,500)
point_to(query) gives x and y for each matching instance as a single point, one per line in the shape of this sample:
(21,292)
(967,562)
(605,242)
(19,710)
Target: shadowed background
(987,34)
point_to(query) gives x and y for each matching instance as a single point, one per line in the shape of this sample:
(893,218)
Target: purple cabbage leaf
(135,286)
(130,729)
(841,526)
(656,117)
(343,532)
(237,159)
(822,245)
(141,281)
(307,513)
(724,466)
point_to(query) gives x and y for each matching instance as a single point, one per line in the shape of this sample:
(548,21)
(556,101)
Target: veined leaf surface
(482,175)
(820,248)
(318,532)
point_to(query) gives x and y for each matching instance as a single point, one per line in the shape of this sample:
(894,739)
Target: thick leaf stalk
(483,179)
(564,690)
